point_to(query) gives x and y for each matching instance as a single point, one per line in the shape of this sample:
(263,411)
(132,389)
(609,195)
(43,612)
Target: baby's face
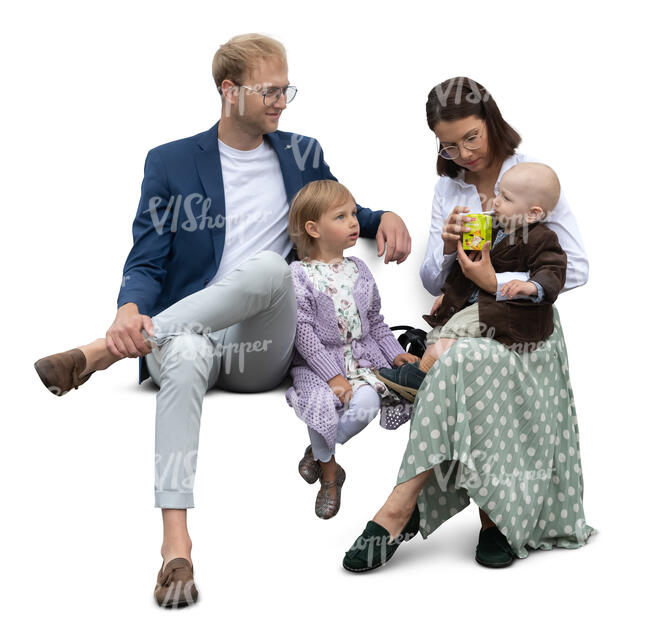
(512,205)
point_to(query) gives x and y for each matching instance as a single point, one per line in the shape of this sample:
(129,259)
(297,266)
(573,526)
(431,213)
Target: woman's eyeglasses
(472,143)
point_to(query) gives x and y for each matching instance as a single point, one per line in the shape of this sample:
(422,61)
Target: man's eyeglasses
(452,151)
(271,95)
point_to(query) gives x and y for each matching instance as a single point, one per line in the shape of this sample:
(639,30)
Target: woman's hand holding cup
(454,227)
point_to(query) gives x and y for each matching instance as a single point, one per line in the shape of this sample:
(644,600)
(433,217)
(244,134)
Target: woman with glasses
(491,424)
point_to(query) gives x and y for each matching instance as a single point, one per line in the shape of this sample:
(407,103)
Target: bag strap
(413,338)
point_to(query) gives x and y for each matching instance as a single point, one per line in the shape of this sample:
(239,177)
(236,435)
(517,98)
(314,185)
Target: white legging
(364,407)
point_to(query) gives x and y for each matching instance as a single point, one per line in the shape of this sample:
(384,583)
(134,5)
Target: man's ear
(535,214)
(229,91)
(311,228)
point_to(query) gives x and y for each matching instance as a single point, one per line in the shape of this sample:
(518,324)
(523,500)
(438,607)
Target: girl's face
(337,229)
(456,135)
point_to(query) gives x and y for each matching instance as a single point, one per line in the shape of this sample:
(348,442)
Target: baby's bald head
(535,183)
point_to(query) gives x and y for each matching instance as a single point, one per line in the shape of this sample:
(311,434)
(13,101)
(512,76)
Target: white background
(88,89)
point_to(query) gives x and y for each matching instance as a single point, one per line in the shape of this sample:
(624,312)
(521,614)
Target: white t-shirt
(256,206)
(451,192)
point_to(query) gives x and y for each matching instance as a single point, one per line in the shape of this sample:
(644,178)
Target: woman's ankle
(486,521)
(398,505)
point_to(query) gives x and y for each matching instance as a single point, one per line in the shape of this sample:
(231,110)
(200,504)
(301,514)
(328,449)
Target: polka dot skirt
(500,427)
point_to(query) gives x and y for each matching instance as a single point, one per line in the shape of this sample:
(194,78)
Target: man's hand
(480,271)
(393,239)
(341,388)
(124,337)
(403,358)
(516,287)
(436,305)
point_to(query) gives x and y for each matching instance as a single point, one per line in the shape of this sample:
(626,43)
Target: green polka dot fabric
(500,427)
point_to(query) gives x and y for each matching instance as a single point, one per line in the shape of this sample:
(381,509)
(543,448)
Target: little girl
(340,336)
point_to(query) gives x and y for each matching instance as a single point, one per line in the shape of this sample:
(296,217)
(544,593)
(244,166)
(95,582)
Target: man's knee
(186,357)
(274,268)
(272,260)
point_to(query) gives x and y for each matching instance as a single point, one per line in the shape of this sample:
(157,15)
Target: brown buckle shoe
(175,587)
(309,468)
(326,506)
(60,372)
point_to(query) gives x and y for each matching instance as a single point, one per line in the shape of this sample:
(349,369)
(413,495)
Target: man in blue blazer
(167,264)
(208,275)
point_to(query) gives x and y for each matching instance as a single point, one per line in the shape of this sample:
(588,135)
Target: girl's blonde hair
(241,54)
(309,204)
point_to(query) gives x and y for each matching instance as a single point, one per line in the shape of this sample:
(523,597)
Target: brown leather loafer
(326,506)
(61,372)
(309,468)
(175,587)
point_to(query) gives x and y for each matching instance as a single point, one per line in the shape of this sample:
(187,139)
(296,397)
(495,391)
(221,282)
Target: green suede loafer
(372,549)
(493,549)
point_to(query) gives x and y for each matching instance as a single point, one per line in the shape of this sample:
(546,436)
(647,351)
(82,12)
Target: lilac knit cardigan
(318,354)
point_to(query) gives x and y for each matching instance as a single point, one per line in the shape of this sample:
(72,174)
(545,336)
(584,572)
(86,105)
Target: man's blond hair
(241,54)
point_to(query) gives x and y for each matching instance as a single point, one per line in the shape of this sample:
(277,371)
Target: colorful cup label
(480,231)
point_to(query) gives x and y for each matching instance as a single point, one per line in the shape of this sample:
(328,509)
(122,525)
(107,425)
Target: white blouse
(451,192)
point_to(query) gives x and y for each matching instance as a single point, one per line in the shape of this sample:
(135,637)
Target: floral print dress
(336,279)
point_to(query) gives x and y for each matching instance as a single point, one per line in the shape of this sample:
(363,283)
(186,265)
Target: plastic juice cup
(480,231)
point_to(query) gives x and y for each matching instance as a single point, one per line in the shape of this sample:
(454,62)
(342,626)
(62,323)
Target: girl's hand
(516,287)
(341,388)
(453,227)
(480,271)
(403,358)
(436,305)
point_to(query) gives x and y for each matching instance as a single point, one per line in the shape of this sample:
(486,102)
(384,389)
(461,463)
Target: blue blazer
(179,228)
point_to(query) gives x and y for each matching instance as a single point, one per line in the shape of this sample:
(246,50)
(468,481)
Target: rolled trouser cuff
(174,500)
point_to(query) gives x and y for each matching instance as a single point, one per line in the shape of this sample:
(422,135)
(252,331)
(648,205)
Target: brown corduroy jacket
(513,321)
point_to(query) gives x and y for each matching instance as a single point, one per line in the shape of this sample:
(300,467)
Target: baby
(527,193)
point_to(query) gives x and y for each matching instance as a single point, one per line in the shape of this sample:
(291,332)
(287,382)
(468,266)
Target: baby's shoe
(309,468)
(326,505)
(405,380)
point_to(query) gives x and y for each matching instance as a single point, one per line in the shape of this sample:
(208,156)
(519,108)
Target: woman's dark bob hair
(461,97)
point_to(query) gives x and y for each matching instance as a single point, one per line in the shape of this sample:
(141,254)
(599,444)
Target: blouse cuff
(536,298)
(448,259)
(504,278)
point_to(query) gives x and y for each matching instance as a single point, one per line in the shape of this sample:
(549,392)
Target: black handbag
(413,340)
